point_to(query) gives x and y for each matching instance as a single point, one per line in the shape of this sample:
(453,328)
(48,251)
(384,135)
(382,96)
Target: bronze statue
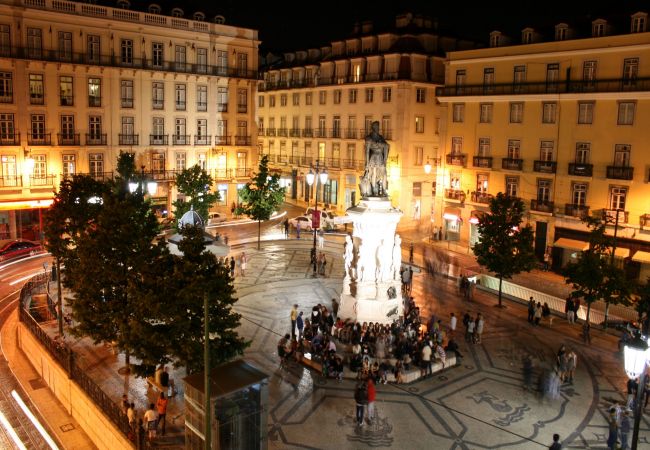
(374,182)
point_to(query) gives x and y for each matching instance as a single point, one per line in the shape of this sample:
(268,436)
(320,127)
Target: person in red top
(161,406)
(372,395)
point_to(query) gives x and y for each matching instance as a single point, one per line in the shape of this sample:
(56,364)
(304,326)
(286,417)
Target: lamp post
(134,186)
(315,175)
(636,357)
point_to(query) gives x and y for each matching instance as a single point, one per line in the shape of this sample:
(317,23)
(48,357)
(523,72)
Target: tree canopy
(195,184)
(505,247)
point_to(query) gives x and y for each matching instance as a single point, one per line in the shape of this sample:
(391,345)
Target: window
(322,97)
(461,78)
(419,124)
(458,112)
(242,64)
(158,94)
(181,161)
(543,190)
(512,186)
(589,73)
(158,162)
(367,124)
(456,145)
(337,96)
(7,128)
(485,115)
(157,55)
(222,128)
(482,183)
(484,146)
(617,197)
(419,156)
(308,97)
(585,112)
(96,164)
(336,126)
(352,127)
(516,112)
(34,43)
(202,131)
(622,155)
(180,131)
(417,189)
(488,78)
(546,150)
(6,87)
(514,147)
(638,23)
(598,29)
(630,71)
(9,170)
(420,95)
(201,98)
(158,130)
(126,52)
(242,100)
(5,40)
(126,93)
(626,113)
(552,76)
(549,110)
(295,99)
(202,161)
(65,91)
(202,60)
(40,166)
(222,62)
(93,49)
(180,57)
(519,75)
(579,194)
(370,93)
(222,99)
(94,92)
(127,130)
(65,46)
(386,128)
(330,192)
(283,100)
(271,98)
(180,97)
(260,101)
(352,96)
(321,126)
(67,128)
(95,128)
(582,152)
(387,93)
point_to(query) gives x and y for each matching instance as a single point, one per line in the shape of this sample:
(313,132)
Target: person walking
(361,400)
(612,436)
(469,336)
(556,443)
(297,229)
(425,359)
(572,363)
(150,419)
(161,406)
(478,330)
(321,238)
(286,228)
(624,428)
(570,312)
(372,395)
(294,317)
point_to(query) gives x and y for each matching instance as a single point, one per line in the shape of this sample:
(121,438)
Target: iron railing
(541,205)
(512,163)
(129,139)
(11,181)
(620,172)
(544,166)
(42,180)
(95,138)
(482,161)
(69,139)
(574,210)
(264,86)
(581,169)
(39,139)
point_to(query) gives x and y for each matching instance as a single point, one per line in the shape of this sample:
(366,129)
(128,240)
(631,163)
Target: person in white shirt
(426,359)
(151,420)
(452,323)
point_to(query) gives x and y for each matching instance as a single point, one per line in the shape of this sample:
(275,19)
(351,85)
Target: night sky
(292,25)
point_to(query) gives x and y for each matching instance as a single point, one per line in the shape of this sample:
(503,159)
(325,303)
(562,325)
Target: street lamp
(636,357)
(152,186)
(316,174)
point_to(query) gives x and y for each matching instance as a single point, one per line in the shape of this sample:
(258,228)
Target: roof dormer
(199,16)
(599,28)
(639,22)
(529,36)
(124,4)
(498,39)
(154,8)
(219,19)
(563,32)
(177,12)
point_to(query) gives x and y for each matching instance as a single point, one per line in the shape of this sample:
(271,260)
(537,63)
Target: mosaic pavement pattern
(478,404)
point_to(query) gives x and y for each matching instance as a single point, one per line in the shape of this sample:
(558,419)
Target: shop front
(452,224)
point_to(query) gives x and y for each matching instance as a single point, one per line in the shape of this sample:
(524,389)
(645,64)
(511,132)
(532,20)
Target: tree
(261,196)
(642,306)
(195,184)
(595,275)
(505,247)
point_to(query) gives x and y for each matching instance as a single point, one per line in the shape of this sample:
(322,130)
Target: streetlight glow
(636,358)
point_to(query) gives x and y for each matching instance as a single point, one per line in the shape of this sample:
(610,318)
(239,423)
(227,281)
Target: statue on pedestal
(374,182)
(397,258)
(347,256)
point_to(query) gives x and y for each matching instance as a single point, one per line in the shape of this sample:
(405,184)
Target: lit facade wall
(82,82)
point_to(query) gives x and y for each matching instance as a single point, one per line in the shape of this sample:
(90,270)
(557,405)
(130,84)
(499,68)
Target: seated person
(374,372)
(282,347)
(338,367)
(355,363)
(398,371)
(406,361)
(452,346)
(546,311)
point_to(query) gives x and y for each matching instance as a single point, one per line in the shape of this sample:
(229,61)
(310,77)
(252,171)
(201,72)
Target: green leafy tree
(505,247)
(261,196)
(195,183)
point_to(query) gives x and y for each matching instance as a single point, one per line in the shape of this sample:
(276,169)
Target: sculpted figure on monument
(397,257)
(374,182)
(347,257)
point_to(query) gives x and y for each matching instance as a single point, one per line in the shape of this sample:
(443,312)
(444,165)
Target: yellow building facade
(563,125)
(82,82)
(318,105)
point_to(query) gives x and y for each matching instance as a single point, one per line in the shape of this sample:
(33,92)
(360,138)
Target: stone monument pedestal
(372,290)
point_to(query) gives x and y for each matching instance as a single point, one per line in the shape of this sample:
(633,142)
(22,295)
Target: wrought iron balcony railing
(456,159)
(95,138)
(9,138)
(39,139)
(581,169)
(128,139)
(620,172)
(69,139)
(541,205)
(158,139)
(573,210)
(482,161)
(512,163)
(544,166)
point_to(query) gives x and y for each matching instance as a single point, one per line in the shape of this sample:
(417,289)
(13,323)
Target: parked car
(18,248)
(326,217)
(305,222)
(215,218)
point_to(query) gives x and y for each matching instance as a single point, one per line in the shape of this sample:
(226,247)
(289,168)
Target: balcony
(351,134)
(180,139)
(161,174)
(573,210)
(202,140)
(158,139)
(7,98)
(610,216)
(101,176)
(581,169)
(455,194)
(39,139)
(10,181)
(620,172)
(95,138)
(484,162)
(222,107)
(307,132)
(512,163)
(243,172)
(544,166)
(456,159)
(242,109)
(9,138)
(481,197)
(42,180)
(541,205)
(336,133)
(222,140)
(201,106)
(270,131)
(282,132)
(69,139)
(180,105)
(294,132)
(66,100)
(242,140)
(266,86)
(128,139)
(94,102)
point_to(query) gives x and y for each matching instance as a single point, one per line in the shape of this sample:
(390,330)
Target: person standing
(478,331)
(570,312)
(531,310)
(150,420)
(130,415)
(425,357)
(572,363)
(294,317)
(556,443)
(361,400)
(243,260)
(576,309)
(232,267)
(613,430)
(297,229)
(452,324)
(538,313)
(372,395)
(286,228)
(624,428)
(161,406)
(632,386)
(321,238)
(300,324)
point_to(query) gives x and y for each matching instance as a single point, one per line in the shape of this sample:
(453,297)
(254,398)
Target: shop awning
(451,214)
(620,252)
(642,257)
(571,244)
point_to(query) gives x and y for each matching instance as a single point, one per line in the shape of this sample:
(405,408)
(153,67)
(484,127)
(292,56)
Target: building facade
(561,124)
(82,82)
(318,105)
